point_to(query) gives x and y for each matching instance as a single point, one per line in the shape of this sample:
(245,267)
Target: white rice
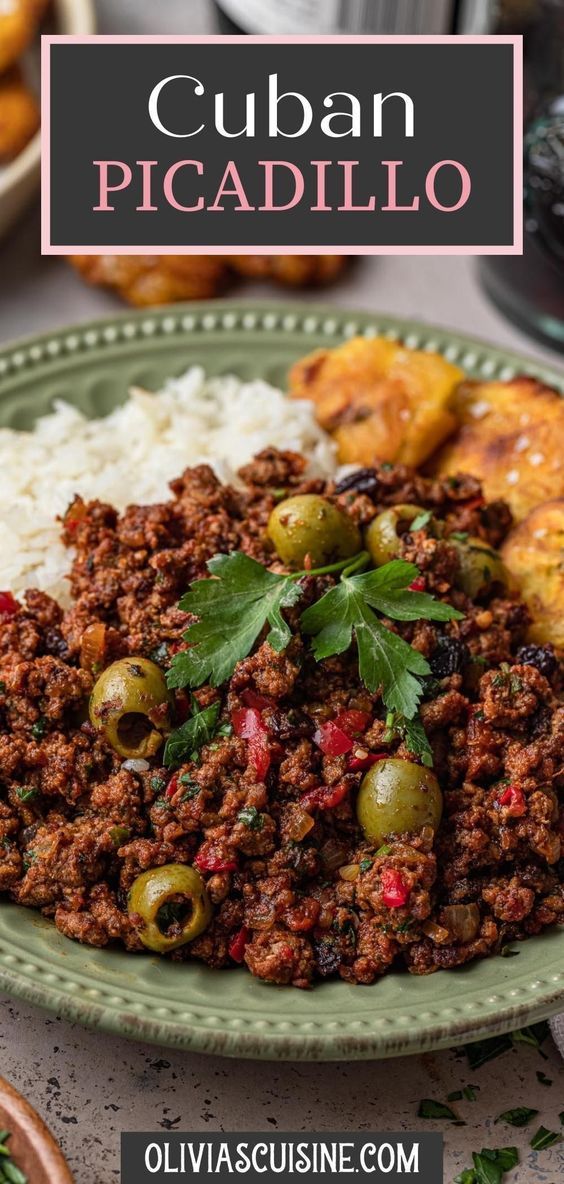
(130,455)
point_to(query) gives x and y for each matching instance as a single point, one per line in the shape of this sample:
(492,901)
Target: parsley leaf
(251,817)
(187,740)
(428,1108)
(232,609)
(416,741)
(520,1116)
(386,661)
(544,1138)
(490,1165)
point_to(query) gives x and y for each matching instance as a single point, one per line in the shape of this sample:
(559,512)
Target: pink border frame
(516,248)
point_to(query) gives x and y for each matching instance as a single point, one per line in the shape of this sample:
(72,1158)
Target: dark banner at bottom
(390,1156)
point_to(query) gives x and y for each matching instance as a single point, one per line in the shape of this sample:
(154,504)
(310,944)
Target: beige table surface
(88,1086)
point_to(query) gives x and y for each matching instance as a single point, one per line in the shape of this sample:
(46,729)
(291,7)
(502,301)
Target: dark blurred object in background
(530,288)
(352,16)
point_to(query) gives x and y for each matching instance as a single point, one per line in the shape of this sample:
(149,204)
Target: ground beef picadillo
(77,828)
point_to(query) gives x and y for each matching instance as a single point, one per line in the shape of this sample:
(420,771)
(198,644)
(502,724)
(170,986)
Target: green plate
(193,1007)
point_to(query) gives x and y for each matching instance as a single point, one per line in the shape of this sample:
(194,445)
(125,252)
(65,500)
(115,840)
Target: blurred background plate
(191,1006)
(19,180)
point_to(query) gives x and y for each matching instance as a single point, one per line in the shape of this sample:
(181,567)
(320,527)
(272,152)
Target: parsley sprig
(241,597)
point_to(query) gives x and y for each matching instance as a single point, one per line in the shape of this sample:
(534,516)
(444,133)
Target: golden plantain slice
(19,115)
(510,437)
(534,554)
(379,400)
(18,23)
(155,279)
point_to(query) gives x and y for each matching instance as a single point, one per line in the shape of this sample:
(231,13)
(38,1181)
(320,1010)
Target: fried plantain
(511,438)
(19,115)
(379,400)
(155,279)
(164,279)
(297,271)
(534,554)
(19,20)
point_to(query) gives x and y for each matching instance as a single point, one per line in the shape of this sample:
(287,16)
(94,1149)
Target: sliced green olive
(130,704)
(398,796)
(173,904)
(479,567)
(381,537)
(309,524)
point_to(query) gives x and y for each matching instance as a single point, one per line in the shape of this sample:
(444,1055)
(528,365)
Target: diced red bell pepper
(214,863)
(358,764)
(395,892)
(332,740)
(172,786)
(353,722)
(248,723)
(418,584)
(238,943)
(514,799)
(8,604)
(325,797)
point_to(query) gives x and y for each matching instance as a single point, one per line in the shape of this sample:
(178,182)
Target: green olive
(173,903)
(479,567)
(130,704)
(309,524)
(398,796)
(381,536)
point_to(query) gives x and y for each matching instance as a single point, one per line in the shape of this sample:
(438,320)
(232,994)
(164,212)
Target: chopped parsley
(186,741)
(421,521)
(544,1138)
(251,817)
(365,865)
(26,793)
(428,1108)
(119,835)
(38,728)
(158,784)
(520,1116)
(460,535)
(242,597)
(10,1173)
(486,1050)
(490,1165)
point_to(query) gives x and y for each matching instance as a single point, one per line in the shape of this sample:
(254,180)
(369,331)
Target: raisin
(542,657)
(327,956)
(448,657)
(361,481)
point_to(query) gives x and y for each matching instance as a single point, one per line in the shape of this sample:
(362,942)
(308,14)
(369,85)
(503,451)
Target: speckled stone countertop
(90,1087)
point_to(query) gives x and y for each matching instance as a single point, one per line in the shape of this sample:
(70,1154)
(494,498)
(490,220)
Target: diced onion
(92,646)
(349,871)
(300,824)
(437,933)
(463,920)
(136,765)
